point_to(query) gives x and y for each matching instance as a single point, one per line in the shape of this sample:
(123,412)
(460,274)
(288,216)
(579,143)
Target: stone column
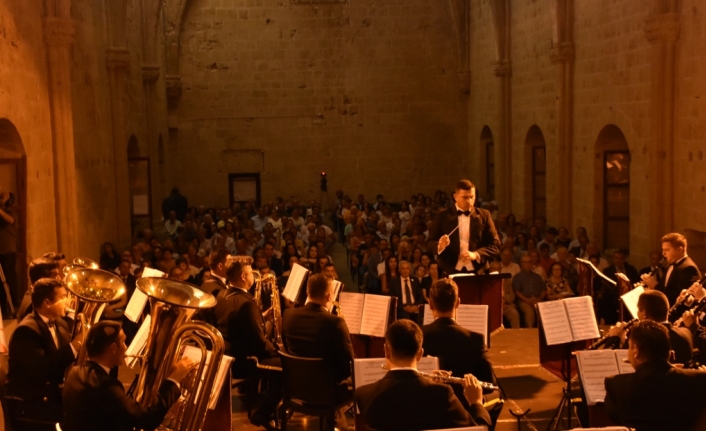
(118,62)
(560,208)
(662,31)
(150,76)
(59,37)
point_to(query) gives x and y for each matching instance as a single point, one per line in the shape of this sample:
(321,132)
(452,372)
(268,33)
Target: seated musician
(41,267)
(657,396)
(240,321)
(408,291)
(95,401)
(312,332)
(40,351)
(404,400)
(216,263)
(653,305)
(458,349)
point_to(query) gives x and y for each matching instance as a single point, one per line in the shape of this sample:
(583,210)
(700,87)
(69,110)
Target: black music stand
(566,402)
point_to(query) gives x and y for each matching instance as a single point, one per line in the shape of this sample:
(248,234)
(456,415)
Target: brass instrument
(78,263)
(172,304)
(337,306)
(276,314)
(257,295)
(450,379)
(91,288)
(601,341)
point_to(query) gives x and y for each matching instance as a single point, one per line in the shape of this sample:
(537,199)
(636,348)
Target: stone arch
(536,159)
(133,147)
(487,162)
(612,174)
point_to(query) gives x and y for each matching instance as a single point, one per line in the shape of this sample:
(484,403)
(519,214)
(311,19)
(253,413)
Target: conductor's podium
(484,290)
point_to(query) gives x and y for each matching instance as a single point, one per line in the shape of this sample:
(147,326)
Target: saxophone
(277,315)
(337,307)
(257,295)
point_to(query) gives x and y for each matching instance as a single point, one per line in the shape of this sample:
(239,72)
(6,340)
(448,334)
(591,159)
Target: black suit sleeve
(612,400)
(460,417)
(484,369)
(489,240)
(132,414)
(27,344)
(343,351)
(247,323)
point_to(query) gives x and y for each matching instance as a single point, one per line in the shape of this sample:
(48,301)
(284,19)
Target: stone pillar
(560,208)
(150,76)
(118,62)
(662,31)
(59,37)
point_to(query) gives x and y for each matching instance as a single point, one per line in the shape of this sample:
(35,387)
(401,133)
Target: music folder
(367,314)
(630,300)
(595,366)
(567,320)
(297,278)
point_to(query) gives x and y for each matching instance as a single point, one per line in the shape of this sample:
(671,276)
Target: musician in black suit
(467,239)
(681,273)
(216,263)
(93,400)
(240,320)
(652,305)
(404,400)
(312,331)
(41,267)
(408,291)
(655,266)
(657,396)
(40,351)
(458,349)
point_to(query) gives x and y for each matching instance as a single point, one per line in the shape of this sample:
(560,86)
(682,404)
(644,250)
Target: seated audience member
(536,267)
(557,286)
(550,241)
(312,331)
(109,258)
(93,400)
(40,352)
(530,289)
(403,400)
(240,321)
(655,267)
(458,349)
(562,239)
(273,262)
(544,260)
(408,292)
(389,274)
(653,305)
(657,396)
(569,273)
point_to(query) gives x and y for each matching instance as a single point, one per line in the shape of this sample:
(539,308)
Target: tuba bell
(91,289)
(172,304)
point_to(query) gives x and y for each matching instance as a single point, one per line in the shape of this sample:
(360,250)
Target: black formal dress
(95,401)
(483,238)
(684,273)
(396,286)
(312,332)
(402,400)
(657,397)
(36,371)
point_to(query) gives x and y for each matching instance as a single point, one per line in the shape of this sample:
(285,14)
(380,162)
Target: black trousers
(8,261)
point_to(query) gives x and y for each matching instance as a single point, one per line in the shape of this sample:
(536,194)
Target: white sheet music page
(582,318)
(352,305)
(630,300)
(428,317)
(151,272)
(136,306)
(555,322)
(428,364)
(368,370)
(594,367)
(474,318)
(621,355)
(375,313)
(294,282)
(139,342)
(336,288)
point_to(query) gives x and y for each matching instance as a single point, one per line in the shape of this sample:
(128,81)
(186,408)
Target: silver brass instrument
(172,304)
(450,379)
(92,288)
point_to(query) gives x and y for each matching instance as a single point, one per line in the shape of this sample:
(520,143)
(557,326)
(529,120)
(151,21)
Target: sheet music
(474,318)
(294,283)
(151,272)
(370,370)
(596,271)
(136,306)
(582,318)
(194,353)
(630,300)
(337,285)
(625,367)
(428,364)
(594,367)
(352,303)
(555,322)
(139,342)
(375,313)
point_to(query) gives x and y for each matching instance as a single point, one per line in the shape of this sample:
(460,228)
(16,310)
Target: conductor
(467,239)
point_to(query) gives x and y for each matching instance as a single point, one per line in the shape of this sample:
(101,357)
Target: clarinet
(600,342)
(685,304)
(698,307)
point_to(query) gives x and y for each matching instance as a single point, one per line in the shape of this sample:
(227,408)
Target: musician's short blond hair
(675,239)
(235,264)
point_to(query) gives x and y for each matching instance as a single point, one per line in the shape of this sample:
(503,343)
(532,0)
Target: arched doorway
(487,146)
(537,148)
(613,176)
(13,178)
(140,187)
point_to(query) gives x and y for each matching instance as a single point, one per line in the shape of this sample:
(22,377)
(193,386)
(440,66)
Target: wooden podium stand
(484,290)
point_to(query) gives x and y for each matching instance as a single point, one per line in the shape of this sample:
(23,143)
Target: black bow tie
(466,213)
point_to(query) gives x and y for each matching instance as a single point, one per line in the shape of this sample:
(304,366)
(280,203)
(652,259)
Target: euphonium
(78,263)
(93,288)
(172,303)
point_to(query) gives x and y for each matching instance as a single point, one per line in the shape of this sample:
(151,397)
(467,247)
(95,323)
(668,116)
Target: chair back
(308,380)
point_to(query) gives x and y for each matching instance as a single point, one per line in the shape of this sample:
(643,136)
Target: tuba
(92,289)
(172,304)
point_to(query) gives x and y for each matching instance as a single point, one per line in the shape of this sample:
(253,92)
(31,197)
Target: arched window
(612,150)
(486,142)
(534,142)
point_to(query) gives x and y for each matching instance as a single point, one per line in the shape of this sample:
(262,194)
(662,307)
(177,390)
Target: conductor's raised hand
(444,242)
(472,389)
